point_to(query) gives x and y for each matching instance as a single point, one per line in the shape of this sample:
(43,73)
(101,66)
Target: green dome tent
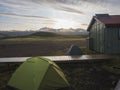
(38,74)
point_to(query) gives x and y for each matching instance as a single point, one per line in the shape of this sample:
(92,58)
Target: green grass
(82,76)
(44,36)
(85,51)
(113,67)
(42,39)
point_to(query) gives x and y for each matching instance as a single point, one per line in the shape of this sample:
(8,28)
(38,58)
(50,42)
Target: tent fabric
(38,74)
(74,50)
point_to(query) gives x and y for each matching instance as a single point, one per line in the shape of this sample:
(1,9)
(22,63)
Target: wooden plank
(13,59)
(64,58)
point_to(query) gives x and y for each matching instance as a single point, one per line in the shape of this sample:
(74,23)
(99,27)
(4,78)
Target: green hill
(4,35)
(45,34)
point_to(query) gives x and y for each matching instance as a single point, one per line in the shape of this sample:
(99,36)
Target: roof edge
(91,22)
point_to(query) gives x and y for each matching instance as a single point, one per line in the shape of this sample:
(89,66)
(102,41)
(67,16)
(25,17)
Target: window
(119,33)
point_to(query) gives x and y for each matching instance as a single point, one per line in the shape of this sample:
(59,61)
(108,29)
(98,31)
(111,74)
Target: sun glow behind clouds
(61,23)
(35,14)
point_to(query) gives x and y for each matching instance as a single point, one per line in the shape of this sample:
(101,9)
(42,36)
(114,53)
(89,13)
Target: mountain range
(44,30)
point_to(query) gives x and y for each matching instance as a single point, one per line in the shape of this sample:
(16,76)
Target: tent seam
(44,75)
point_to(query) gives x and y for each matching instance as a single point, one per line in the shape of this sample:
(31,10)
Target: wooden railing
(59,59)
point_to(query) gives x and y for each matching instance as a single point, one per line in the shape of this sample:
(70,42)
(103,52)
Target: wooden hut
(104,34)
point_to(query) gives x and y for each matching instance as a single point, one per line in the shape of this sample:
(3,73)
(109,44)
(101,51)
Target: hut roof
(106,19)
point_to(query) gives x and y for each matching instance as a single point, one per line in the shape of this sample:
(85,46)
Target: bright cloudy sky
(35,14)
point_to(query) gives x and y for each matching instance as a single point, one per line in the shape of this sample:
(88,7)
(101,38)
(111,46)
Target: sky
(36,14)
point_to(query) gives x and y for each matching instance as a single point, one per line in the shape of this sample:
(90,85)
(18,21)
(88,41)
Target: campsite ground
(22,47)
(101,75)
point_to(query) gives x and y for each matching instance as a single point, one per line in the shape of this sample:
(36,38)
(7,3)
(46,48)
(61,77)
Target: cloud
(39,13)
(84,24)
(69,9)
(8,22)
(23,4)
(43,3)
(71,2)
(11,4)
(21,15)
(80,1)
(2,22)
(89,3)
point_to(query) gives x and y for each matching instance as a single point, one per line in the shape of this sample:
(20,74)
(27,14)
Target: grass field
(37,46)
(82,76)
(43,38)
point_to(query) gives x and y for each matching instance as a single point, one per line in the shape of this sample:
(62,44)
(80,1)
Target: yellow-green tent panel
(38,74)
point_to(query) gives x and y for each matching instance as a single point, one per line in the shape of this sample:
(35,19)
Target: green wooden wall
(112,41)
(105,40)
(97,34)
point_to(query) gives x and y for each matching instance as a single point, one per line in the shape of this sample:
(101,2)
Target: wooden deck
(64,59)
